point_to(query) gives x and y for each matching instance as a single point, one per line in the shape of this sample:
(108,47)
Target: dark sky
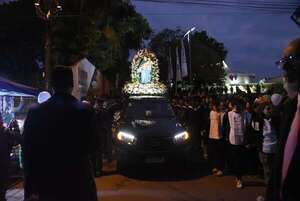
(1,1)
(254,39)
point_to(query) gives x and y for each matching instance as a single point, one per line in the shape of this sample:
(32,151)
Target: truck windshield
(149,108)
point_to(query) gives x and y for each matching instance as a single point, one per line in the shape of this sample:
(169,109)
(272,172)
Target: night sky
(253,39)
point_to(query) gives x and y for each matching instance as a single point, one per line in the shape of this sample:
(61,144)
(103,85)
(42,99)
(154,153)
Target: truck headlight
(126,138)
(181,137)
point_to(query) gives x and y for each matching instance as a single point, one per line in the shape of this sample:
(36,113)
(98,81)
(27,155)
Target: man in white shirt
(236,139)
(216,141)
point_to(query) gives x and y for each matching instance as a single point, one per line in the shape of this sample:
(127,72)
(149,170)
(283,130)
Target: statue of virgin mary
(144,70)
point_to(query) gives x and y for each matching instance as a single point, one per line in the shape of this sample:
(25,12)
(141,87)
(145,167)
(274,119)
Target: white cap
(43,96)
(276,99)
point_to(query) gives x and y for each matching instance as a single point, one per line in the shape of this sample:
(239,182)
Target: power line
(223,3)
(229,4)
(213,12)
(276,3)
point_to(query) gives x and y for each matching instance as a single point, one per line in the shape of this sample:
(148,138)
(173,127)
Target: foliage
(103,31)
(122,29)
(160,44)
(21,42)
(74,31)
(145,89)
(207,55)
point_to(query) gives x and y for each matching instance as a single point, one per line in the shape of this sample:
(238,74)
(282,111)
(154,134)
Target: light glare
(182,136)
(126,137)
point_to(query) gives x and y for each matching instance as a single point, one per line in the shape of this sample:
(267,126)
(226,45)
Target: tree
(161,44)
(74,32)
(103,31)
(121,30)
(21,42)
(207,55)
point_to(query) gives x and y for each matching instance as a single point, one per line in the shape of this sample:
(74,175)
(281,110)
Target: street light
(189,31)
(190,51)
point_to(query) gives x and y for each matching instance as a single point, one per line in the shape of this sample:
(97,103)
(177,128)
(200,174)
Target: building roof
(10,88)
(273,79)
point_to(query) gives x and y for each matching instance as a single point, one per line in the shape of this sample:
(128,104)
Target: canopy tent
(9,95)
(10,88)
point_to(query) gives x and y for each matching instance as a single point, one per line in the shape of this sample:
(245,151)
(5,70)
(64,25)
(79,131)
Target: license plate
(155,160)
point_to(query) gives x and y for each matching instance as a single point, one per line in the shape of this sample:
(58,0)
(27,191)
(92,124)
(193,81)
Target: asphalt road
(166,183)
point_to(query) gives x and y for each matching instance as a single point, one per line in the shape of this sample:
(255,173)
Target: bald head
(291,66)
(62,79)
(293,48)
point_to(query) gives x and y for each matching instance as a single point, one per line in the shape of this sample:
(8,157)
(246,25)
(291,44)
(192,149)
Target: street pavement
(166,183)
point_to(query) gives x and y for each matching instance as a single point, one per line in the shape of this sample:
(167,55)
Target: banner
(178,70)
(184,69)
(170,68)
(83,73)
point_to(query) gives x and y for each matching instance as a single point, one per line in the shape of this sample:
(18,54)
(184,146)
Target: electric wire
(232,6)
(228,4)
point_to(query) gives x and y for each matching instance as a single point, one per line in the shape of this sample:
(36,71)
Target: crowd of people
(9,137)
(232,128)
(62,136)
(263,127)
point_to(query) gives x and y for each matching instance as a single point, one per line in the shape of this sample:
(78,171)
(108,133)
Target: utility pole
(190,60)
(45,10)
(47,65)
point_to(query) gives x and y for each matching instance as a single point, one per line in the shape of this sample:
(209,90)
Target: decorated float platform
(145,76)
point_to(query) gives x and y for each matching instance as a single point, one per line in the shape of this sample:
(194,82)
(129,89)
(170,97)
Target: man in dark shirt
(59,136)
(283,185)
(7,141)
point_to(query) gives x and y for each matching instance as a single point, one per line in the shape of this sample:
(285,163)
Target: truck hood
(156,127)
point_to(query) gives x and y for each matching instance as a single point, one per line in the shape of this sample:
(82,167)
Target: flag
(83,73)
(225,66)
(178,70)
(184,70)
(170,68)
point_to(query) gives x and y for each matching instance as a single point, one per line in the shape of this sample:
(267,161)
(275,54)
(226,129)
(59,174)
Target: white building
(240,78)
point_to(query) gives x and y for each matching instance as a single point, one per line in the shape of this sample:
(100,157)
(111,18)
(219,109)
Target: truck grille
(156,143)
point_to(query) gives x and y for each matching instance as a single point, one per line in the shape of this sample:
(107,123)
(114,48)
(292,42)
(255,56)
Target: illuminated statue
(144,70)
(144,75)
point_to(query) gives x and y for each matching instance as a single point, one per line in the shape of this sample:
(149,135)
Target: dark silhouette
(7,140)
(283,185)
(59,136)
